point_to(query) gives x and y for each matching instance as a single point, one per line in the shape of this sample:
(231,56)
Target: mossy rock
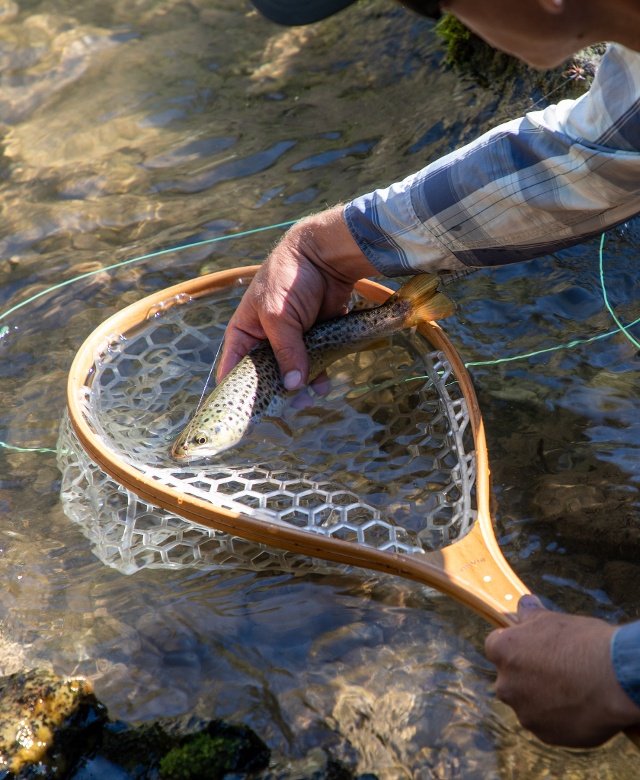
(55,728)
(201,757)
(213,752)
(183,748)
(469,54)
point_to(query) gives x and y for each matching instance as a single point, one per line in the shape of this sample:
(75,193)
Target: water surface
(128,129)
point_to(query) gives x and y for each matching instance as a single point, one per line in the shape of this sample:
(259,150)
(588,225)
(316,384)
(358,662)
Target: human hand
(309,276)
(555,670)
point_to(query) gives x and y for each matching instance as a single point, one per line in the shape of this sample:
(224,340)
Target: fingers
(493,644)
(288,347)
(527,606)
(309,276)
(279,322)
(286,341)
(498,642)
(556,672)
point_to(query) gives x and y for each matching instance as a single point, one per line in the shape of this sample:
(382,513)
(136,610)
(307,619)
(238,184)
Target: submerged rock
(46,722)
(189,748)
(316,765)
(55,728)
(186,748)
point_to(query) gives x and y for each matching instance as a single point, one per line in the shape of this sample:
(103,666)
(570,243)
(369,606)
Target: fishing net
(385,458)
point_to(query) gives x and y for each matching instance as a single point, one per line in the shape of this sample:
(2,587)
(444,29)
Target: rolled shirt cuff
(625,655)
(392,238)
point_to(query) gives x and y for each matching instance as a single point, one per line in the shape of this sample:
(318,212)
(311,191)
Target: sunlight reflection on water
(132,128)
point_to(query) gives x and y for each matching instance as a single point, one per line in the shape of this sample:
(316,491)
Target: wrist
(325,240)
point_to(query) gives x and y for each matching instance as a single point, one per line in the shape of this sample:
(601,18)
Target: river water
(128,128)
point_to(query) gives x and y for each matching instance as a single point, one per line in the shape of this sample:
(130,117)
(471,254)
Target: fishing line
(206,384)
(5,329)
(576,342)
(160,252)
(621,328)
(209,375)
(6,446)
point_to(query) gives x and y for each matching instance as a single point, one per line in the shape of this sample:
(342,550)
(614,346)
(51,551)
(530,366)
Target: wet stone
(185,748)
(316,765)
(45,722)
(333,646)
(589,513)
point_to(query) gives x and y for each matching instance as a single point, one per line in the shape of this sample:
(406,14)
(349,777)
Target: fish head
(199,442)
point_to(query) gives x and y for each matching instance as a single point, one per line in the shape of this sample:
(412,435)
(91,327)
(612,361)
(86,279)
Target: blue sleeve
(625,655)
(532,186)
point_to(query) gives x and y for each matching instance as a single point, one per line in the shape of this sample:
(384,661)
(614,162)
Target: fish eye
(201,439)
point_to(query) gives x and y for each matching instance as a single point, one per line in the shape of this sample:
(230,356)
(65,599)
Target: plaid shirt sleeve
(532,186)
(625,654)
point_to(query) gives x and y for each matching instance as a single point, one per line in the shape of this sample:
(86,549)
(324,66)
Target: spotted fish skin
(255,387)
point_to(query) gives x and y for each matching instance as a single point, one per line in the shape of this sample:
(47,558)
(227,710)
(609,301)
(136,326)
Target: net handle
(472,569)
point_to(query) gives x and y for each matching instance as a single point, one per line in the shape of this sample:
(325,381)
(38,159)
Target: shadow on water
(130,129)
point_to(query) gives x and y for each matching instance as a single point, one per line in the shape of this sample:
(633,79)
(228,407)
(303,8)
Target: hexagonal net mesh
(385,458)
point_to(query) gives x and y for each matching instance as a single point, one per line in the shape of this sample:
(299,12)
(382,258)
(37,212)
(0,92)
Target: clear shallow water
(132,129)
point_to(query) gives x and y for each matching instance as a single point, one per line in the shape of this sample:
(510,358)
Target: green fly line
(160,252)
(576,342)
(5,329)
(621,328)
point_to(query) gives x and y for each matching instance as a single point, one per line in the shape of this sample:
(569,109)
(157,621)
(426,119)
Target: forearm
(530,187)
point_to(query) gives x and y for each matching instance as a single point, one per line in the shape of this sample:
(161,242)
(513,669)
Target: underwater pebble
(11,656)
(8,11)
(335,645)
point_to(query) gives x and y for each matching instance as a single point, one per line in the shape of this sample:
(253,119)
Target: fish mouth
(179,452)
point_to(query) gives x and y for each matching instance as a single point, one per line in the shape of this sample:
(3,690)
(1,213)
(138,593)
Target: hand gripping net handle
(472,569)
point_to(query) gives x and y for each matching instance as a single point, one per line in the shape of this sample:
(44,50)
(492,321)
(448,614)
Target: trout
(255,387)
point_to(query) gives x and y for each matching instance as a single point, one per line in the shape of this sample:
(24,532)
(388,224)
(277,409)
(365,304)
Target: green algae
(201,758)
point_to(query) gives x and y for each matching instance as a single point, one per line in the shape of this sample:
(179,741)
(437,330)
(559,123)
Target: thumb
(527,607)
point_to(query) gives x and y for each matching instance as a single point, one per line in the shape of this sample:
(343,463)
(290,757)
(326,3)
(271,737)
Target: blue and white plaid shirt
(625,654)
(529,187)
(532,186)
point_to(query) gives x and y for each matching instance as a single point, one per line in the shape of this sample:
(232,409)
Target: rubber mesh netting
(385,458)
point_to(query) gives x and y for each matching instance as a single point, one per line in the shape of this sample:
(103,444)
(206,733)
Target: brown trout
(254,387)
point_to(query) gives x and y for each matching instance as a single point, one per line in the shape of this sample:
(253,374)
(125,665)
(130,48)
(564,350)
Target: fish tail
(426,303)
